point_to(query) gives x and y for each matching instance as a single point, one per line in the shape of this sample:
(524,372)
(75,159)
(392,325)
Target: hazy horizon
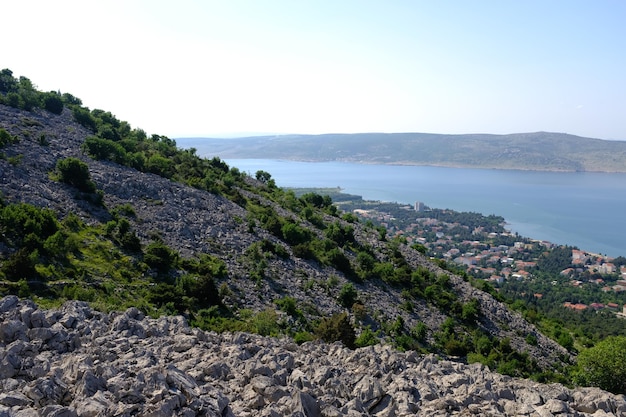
(241,135)
(192,68)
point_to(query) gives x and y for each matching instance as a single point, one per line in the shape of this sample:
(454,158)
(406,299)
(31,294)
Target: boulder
(77,362)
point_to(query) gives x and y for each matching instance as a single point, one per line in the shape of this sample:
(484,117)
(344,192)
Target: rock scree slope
(74,361)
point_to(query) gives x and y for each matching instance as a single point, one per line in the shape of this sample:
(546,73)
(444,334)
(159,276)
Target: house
(607,268)
(496,279)
(466,260)
(577,307)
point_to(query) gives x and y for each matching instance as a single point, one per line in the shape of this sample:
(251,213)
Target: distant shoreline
(442,165)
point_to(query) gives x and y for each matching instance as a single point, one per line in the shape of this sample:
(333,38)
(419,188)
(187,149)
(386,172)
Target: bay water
(582,209)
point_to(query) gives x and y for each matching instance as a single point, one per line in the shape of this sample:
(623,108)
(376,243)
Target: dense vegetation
(107,264)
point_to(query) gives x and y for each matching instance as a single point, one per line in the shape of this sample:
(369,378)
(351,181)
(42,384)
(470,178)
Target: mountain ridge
(542,151)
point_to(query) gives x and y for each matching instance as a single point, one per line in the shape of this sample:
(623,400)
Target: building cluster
(497,257)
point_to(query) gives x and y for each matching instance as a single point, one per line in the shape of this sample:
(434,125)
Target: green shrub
(367,338)
(420,331)
(302,337)
(294,234)
(470,311)
(99,149)
(53,103)
(289,306)
(27,225)
(6,138)
(159,256)
(84,118)
(337,328)
(266,323)
(603,365)
(347,295)
(75,172)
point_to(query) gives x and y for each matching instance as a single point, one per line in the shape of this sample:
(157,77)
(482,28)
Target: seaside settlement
(497,255)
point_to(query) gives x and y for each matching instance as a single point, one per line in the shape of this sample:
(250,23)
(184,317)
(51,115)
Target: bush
(84,118)
(289,306)
(53,103)
(294,234)
(99,149)
(266,323)
(159,256)
(367,338)
(347,295)
(6,138)
(470,311)
(337,328)
(27,225)
(420,331)
(75,172)
(604,365)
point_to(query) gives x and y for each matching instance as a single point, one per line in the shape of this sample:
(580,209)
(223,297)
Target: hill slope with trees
(95,210)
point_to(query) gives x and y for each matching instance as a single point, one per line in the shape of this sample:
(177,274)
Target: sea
(581,209)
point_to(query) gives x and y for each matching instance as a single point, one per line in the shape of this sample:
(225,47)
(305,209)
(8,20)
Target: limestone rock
(77,362)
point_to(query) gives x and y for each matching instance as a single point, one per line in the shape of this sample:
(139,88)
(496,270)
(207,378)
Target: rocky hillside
(192,222)
(94,211)
(75,361)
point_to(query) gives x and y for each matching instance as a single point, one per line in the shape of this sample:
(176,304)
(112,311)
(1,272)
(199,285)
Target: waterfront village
(491,252)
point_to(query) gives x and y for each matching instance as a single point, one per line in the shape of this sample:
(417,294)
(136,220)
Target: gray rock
(12,399)
(8,303)
(89,364)
(12,330)
(306,405)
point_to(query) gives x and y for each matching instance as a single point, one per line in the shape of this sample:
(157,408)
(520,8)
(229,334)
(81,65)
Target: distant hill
(541,151)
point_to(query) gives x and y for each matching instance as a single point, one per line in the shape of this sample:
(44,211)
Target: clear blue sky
(201,68)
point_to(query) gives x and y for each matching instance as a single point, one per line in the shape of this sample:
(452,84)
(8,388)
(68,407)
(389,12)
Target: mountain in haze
(543,151)
(96,211)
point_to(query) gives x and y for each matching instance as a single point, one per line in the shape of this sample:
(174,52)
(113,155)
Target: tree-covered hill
(96,210)
(542,151)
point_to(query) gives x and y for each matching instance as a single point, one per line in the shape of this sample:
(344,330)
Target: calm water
(580,209)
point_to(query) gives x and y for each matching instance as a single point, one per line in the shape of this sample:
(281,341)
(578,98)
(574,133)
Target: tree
(263,176)
(30,96)
(604,365)
(8,83)
(75,172)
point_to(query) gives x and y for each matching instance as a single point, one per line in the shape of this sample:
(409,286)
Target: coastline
(441,165)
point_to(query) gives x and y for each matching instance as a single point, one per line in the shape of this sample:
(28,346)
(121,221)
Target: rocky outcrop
(75,361)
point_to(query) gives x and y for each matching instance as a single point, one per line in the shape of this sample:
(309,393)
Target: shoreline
(436,165)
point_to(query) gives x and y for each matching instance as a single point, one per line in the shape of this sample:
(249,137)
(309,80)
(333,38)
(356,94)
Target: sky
(234,67)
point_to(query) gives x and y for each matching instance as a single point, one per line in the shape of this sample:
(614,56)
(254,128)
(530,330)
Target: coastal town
(493,253)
